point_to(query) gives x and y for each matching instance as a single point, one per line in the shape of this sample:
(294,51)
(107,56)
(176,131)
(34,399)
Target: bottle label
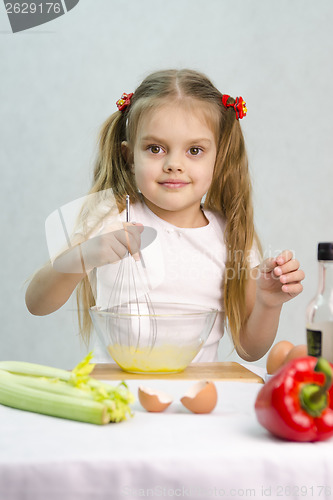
(320,339)
(313,338)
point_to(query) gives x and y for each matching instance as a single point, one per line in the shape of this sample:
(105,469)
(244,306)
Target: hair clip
(239,106)
(124,101)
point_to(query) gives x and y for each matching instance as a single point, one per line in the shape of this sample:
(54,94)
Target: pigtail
(85,299)
(231,194)
(111,171)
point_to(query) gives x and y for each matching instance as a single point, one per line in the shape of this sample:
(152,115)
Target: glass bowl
(155,338)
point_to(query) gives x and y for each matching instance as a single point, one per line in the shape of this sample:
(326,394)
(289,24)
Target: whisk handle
(127,208)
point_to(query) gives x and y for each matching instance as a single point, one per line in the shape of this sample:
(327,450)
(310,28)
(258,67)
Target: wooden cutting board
(226,371)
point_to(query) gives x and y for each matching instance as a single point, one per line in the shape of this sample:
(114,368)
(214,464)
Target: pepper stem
(324,367)
(313,397)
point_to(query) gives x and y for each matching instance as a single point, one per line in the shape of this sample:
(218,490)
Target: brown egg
(154,400)
(277,355)
(201,397)
(299,351)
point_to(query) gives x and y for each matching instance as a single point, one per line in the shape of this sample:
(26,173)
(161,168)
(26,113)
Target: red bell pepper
(297,402)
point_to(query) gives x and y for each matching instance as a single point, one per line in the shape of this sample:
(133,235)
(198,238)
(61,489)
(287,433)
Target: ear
(127,153)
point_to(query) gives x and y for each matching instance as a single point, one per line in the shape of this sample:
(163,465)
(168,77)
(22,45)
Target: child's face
(174,157)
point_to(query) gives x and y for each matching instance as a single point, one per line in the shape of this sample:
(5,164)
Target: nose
(173,164)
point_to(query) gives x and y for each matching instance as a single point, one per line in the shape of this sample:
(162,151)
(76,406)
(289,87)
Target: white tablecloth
(225,454)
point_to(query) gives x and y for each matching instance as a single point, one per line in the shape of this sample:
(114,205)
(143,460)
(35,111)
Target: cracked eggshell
(153,400)
(201,397)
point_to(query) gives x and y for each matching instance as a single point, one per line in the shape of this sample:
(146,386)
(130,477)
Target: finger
(292,289)
(294,277)
(115,246)
(133,240)
(126,236)
(135,233)
(268,265)
(290,266)
(116,243)
(132,245)
(136,226)
(284,257)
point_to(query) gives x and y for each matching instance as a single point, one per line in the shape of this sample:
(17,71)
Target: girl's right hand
(112,246)
(104,248)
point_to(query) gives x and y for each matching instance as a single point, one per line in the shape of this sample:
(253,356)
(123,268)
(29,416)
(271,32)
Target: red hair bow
(124,101)
(239,106)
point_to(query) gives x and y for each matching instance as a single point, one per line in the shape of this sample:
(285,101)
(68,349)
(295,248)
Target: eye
(154,149)
(195,151)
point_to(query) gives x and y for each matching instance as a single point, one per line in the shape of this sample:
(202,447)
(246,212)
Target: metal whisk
(133,323)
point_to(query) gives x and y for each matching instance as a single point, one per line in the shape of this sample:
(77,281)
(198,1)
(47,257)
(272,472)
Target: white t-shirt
(184,265)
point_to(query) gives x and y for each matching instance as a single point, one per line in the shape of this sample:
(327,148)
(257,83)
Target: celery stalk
(45,384)
(25,398)
(53,391)
(35,370)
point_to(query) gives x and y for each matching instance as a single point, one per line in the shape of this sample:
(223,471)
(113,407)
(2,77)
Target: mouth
(174,184)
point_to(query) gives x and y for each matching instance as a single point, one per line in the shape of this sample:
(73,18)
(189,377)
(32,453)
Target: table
(225,454)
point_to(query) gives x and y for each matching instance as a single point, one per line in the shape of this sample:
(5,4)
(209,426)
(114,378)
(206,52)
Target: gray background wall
(59,81)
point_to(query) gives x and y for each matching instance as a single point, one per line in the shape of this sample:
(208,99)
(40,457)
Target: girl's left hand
(280,279)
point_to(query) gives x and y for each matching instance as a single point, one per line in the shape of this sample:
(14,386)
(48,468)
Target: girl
(174,141)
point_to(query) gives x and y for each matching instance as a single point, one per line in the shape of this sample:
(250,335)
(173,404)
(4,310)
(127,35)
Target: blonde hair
(229,193)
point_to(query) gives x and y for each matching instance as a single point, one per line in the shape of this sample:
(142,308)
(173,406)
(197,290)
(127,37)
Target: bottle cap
(325,251)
